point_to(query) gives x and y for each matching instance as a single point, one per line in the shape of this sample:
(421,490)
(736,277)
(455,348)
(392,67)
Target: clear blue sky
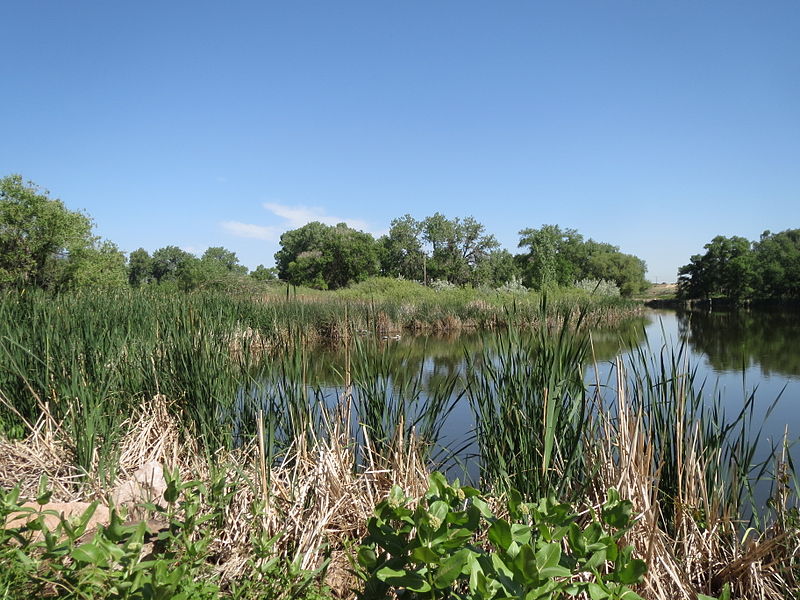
(650,125)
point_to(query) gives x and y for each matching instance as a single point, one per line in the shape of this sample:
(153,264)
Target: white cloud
(293,217)
(248,230)
(297,216)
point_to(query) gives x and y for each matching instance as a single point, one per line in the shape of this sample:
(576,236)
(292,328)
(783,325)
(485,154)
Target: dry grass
(709,547)
(318,503)
(313,499)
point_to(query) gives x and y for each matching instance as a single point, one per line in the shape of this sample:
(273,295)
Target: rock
(146,485)
(54,512)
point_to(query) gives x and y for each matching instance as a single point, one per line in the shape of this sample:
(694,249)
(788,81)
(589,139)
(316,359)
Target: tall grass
(532,413)
(232,382)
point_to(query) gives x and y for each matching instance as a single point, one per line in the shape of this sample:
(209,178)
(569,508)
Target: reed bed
(91,388)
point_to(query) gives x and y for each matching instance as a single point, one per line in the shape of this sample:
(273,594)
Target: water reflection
(439,357)
(733,340)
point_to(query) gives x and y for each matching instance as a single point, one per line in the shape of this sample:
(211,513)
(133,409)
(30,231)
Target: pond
(735,354)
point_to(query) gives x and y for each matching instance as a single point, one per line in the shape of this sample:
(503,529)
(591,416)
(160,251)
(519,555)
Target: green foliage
(401,249)
(777,264)
(323,256)
(561,257)
(739,270)
(541,550)
(459,246)
(100,265)
(140,267)
(122,560)
(263,274)
(45,245)
(532,411)
(726,269)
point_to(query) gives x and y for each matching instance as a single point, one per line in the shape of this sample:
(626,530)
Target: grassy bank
(93,388)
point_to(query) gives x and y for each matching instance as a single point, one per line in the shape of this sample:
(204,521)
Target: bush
(540,551)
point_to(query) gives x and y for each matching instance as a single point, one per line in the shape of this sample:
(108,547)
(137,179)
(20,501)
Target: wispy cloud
(297,216)
(248,230)
(293,217)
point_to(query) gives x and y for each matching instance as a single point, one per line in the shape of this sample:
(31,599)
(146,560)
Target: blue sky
(650,125)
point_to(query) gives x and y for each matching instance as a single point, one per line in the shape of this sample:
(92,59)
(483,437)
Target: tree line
(43,244)
(457,251)
(740,270)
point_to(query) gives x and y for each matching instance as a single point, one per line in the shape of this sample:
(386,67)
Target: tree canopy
(43,244)
(326,257)
(737,269)
(558,256)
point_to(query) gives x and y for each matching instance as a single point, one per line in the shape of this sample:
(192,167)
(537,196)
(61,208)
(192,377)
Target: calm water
(736,353)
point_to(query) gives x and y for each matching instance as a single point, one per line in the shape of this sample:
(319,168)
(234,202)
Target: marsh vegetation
(284,475)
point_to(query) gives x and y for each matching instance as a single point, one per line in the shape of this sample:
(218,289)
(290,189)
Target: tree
(140,267)
(777,264)
(101,265)
(727,269)
(498,269)
(222,260)
(168,261)
(325,256)
(401,249)
(561,257)
(263,274)
(39,236)
(624,270)
(458,247)
(553,256)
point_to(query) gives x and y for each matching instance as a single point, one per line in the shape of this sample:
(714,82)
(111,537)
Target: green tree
(263,274)
(101,265)
(324,256)
(401,250)
(561,257)
(624,270)
(459,246)
(168,261)
(727,269)
(777,264)
(498,269)
(140,267)
(222,260)
(39,236)
(553,256)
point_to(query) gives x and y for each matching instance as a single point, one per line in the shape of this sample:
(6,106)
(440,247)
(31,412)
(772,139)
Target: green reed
(532,412)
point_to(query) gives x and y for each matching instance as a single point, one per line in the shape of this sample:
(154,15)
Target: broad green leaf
(520,533)
(423,554)
(548,556)
(617,514)
(596,592)
(411,580)
(557,571)
(577,542)
(450,569)
(90,553)
(438,513)
(483,508)
(500,534)
(525,562)
(632,572)
(366,557)
(437,484)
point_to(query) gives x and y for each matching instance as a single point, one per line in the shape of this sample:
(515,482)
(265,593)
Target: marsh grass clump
(655,434)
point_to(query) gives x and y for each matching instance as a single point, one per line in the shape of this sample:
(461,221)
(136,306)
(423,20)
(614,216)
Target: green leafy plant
(437,548)
(124,561)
